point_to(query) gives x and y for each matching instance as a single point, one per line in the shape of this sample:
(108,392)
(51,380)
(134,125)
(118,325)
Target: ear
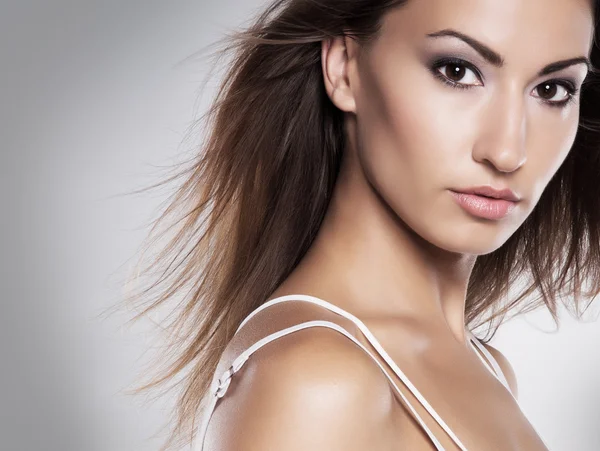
(336,54)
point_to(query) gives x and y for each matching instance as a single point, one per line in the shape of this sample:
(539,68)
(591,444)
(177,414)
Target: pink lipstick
(486,202)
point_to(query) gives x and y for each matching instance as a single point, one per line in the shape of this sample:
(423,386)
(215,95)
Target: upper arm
(312,389)
(506,367)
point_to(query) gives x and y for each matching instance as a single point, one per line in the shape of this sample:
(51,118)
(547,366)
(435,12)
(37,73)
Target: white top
(220,385)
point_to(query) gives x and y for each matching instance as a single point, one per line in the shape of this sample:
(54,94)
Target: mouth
(490,192)
(484,206)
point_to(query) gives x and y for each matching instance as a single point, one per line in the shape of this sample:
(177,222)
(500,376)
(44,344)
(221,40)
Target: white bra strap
(492,361)
(219,386)
(363,328)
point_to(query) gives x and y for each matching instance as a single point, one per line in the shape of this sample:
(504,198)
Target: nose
(504,127)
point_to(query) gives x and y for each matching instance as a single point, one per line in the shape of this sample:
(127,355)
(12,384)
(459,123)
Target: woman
(391,168)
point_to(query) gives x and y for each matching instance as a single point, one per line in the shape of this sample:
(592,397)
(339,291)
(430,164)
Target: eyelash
(569,87)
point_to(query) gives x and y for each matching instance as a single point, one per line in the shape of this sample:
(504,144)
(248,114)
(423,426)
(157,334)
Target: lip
(488,191)
(474,201)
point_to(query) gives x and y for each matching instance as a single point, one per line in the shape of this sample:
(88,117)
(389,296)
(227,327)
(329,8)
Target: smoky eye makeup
(460,67)
(455,56)
(454,62)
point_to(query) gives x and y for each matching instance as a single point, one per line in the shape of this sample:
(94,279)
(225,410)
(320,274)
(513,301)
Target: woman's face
(419,138)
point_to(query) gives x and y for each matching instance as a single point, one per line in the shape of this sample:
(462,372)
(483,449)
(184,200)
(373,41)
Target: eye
(460,74)
(549,89)
(456,73)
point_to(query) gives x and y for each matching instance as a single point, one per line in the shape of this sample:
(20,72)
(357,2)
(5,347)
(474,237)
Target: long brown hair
(253,199)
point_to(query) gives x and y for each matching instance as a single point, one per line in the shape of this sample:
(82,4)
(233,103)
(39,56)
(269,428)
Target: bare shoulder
(506,367)
(312,389)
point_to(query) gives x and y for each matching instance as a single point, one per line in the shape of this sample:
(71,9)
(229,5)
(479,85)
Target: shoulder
(506,367)
(312,389)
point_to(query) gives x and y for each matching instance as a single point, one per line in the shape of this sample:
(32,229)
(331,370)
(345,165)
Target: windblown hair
(254,197)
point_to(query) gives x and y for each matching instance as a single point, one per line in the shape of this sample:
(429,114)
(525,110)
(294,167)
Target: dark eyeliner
(568,85)
(444,61)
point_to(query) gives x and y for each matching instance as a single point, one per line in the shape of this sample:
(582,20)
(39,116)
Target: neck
(379,266)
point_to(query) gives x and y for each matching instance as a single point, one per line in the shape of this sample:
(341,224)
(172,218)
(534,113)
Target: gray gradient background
(92,102)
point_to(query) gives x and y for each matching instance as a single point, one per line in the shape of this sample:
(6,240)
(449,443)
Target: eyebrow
(496,60)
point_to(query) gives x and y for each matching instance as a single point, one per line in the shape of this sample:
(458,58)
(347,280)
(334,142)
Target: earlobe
(334,62)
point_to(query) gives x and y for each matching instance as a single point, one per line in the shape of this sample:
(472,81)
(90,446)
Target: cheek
(547,154)
(405,130)
(412,137)
(399,146)
(409,146)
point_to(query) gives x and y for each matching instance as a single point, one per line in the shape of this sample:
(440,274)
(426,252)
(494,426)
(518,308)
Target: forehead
(517,29)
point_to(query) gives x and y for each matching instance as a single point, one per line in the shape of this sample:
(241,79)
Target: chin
(475,238)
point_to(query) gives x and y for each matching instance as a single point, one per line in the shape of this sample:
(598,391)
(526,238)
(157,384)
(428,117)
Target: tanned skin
(395,249)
